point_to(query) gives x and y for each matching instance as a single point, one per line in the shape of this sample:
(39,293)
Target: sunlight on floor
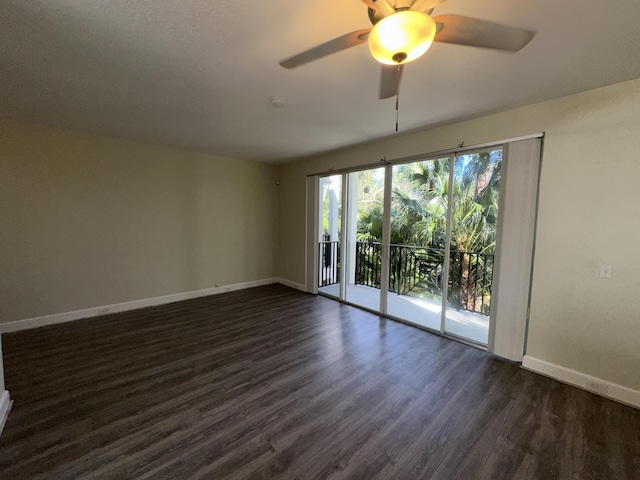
(425,311)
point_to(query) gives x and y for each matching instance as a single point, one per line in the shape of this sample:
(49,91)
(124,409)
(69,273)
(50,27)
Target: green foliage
(419,215)
(369,227)
(420,204)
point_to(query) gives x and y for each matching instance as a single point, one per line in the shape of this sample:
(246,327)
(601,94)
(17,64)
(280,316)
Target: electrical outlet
(605,271)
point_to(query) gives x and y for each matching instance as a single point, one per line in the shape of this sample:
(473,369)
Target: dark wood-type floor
(272,383)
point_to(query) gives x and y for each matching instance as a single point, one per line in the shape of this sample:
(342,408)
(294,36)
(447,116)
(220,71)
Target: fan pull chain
(397,95)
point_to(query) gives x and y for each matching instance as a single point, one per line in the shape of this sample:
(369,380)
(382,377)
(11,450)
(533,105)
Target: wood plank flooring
(271,383)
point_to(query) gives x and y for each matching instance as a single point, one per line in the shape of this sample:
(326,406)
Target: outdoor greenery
(419,207)
(418,219)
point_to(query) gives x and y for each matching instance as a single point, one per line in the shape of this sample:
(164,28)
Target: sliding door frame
(424,156)
(447,248)
(451,154)
(386,239)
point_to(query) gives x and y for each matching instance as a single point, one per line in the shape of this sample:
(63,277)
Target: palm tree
(419,212)
(474,218)
(420,205)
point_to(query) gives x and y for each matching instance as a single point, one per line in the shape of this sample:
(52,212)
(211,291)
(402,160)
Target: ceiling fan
(403,30)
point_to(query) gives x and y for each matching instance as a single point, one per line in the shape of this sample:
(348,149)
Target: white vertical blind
(312,234)
(515,244)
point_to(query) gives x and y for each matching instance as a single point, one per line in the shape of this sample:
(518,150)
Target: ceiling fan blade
(337,44)
(480,33)
(390,81)
(382,6)
(372,5)
(424,5)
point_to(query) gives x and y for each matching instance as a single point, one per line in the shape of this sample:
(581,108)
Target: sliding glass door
(419,205)
(329,262)
(363,256)
(419,246)
(474,220)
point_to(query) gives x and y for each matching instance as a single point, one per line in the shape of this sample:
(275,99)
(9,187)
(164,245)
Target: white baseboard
(289,283)
(592,384)
(5,407)
(36,322)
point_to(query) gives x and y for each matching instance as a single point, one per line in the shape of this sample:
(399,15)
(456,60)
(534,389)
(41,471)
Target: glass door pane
(330,230)
(363,254)
(474,218)
(418,239)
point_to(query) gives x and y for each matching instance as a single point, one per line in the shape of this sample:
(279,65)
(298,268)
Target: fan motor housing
(375,17)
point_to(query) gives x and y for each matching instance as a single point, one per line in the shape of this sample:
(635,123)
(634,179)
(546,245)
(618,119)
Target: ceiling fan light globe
(405,32)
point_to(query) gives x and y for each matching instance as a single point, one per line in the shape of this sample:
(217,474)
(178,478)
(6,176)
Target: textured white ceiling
(198,74)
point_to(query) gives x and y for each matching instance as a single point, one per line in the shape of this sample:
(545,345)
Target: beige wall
(89,221)
(589,215)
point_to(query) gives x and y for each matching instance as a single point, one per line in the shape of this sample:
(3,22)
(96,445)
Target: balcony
(415,285)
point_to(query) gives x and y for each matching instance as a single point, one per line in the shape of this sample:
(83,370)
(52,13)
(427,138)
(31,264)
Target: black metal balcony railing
(329,263)
(470,279)
(411,268)
(416,271)
(368,264)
